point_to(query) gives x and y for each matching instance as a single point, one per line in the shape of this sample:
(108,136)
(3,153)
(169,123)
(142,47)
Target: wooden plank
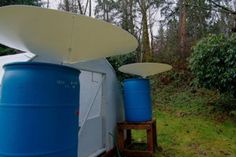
(137,123)
(138,127)
(135,153)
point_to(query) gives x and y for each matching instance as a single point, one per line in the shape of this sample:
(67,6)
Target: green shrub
(6,51)
(213,63)
(225,103)
(118,61)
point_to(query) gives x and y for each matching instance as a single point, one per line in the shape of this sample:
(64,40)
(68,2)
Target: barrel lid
(39,64)
(145,69)
(63,36)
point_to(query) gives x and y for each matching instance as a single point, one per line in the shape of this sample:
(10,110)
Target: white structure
(100,102)
(70,38)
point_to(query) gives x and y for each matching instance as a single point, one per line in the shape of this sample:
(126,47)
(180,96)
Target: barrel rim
(136,79)
(57,66)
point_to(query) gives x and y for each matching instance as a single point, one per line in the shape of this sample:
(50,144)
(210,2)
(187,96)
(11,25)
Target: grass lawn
(188,126)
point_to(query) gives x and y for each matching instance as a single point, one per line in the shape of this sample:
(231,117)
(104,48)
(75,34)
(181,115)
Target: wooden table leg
(150,144)
(155,135)
(121,139)
(129,137)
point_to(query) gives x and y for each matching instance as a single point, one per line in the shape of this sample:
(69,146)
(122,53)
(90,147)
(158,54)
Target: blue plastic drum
(137,100)
(38,110)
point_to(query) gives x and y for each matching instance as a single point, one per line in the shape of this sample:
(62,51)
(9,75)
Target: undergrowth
(189,121)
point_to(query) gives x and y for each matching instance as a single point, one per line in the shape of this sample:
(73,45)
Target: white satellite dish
(64,36)
(145,69)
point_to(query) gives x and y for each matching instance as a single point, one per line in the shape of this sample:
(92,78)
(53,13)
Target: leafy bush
(118,61)
(6,51)
(225,103)
(213,63)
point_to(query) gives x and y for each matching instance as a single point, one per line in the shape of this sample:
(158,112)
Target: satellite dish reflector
(64,36)
(145,69)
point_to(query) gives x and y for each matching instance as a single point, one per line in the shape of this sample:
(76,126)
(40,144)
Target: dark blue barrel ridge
(38,107)
(137,100)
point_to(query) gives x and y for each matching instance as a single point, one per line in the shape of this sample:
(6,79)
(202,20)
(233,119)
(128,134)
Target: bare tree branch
(80,7)
(86,6)
(230,11)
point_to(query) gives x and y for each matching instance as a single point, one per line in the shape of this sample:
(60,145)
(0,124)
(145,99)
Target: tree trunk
(107,12)
(86,7)
(161,37)
(104,10)
(146,50)
(47,3)
(131,21)
(182,29)
(80,7)
(234,28)
(90,8)
(67,5)
(151,31)
(125,20)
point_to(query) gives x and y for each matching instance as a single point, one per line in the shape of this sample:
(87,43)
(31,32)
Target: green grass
(194,136)
(188,127)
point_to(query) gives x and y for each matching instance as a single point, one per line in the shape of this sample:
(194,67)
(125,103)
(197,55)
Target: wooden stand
(124,128)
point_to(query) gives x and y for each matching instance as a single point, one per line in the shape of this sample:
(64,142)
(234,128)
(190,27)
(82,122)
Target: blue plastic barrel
(137,100)
(38,110)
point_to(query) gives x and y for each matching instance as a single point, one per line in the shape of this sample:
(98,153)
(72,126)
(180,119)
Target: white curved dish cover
(145,69)
(64,36)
